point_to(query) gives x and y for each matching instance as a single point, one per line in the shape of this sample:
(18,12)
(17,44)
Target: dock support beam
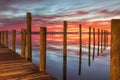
(115,50)
(6,38)
(65,50)
(29,43)
(80,50)
(89,47)
(102,41)
(23,43)
(107,38)
(0,37)
(42,49)
(14,40)
(98,42)
(93,43)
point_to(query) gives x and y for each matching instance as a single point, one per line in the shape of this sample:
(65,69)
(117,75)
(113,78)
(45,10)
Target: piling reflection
(64,68)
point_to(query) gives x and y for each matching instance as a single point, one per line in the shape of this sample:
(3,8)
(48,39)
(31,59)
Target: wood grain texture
(13,67)
(115,50)
(14,40)
(29,42)
(43,48)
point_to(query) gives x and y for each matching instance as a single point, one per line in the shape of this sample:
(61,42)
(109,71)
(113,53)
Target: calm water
(99,69)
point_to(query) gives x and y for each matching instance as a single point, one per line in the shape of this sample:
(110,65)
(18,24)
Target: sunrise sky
(50,13)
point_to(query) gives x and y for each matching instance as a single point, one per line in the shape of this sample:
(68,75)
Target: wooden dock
(13,67)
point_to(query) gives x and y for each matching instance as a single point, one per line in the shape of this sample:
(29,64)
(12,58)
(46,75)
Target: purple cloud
(51,11)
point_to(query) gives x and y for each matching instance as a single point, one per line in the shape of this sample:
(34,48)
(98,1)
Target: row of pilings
(26,36)
(101,46)
(26,42)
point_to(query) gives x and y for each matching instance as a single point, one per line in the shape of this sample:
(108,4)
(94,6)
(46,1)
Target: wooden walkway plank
(13,67)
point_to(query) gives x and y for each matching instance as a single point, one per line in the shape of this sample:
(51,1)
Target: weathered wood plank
(115,50)
(13,67)
(43,48)
(29,42)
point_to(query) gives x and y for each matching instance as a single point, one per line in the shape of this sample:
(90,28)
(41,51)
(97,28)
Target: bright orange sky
(58,26)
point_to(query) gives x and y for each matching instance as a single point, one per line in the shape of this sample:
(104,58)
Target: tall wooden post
(80,50)
(115,50)
(101,41)
(93,43)
(0,37)
(104,39)
(43,49)
(14,40)
(29,43)
(98,41)
(23,43)
(89,47)
(3,37)
(6,38)
(65,51)
(107,38)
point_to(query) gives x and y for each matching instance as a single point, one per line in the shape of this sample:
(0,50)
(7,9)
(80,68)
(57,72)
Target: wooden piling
(43,49)
(115,50)
(29,43)
(104,40)
(98,41)
(80,50)
(3,37)
(65,50)
(23,43)
(65,39)
(6,38)
(14,40)
(101,41)
(89,47)
(93,43)
(107,38)
(0,37)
